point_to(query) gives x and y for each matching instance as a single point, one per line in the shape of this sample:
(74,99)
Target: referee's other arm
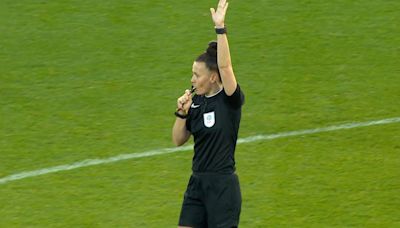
(180,134)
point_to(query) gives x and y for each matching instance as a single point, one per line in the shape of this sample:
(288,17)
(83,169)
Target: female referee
(212,116)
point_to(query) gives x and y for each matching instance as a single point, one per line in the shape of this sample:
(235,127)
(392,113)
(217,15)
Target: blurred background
(92,80)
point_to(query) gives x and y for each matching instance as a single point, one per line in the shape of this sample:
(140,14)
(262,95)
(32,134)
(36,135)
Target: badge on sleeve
(209,119)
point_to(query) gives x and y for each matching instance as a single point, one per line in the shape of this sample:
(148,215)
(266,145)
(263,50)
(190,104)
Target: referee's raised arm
(223,55)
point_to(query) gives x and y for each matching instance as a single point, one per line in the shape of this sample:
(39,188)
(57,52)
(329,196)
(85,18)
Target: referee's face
(201,78)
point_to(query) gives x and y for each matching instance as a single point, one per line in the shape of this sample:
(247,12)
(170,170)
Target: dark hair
(210,57)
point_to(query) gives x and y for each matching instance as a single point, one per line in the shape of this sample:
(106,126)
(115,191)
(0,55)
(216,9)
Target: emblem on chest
(209,119)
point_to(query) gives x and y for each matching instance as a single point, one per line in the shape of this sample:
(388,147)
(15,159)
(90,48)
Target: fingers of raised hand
(221,2)
(226,6)
(212,11)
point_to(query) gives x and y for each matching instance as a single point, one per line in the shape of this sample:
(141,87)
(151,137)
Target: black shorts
(211,200)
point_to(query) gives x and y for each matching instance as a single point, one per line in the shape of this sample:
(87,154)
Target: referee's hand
(184,102)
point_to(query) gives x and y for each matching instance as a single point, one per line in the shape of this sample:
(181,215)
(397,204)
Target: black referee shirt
(214,123)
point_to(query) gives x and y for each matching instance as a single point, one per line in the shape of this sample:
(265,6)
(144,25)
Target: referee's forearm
(223,54)
(225,65)
(179,132)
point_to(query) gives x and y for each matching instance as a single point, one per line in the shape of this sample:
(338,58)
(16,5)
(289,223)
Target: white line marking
(121,157)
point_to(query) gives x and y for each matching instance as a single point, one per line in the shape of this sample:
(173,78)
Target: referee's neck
(216,90)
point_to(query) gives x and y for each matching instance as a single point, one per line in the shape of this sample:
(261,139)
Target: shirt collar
(214,94)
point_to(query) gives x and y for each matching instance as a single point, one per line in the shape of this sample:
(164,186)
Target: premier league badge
(209,119)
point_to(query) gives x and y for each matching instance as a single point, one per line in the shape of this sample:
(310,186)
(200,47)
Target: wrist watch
(220,30)
(182,116)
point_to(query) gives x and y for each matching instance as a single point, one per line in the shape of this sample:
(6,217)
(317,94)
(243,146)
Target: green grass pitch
(95,79)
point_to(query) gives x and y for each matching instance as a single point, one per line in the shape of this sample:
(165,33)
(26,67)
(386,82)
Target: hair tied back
(212,49)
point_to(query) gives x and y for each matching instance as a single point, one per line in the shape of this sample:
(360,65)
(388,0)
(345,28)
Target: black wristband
(220,30)
(177,114)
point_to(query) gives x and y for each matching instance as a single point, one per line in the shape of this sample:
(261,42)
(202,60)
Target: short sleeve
(236,100)
(188,124)
(190,115)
